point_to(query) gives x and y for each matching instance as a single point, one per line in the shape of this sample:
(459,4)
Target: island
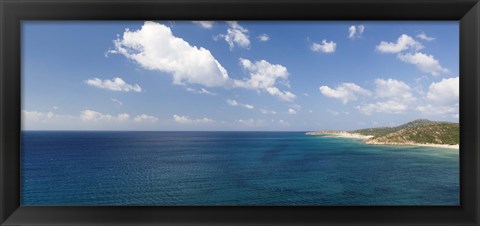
(420,132)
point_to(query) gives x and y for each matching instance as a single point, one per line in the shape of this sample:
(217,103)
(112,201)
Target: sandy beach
(350,135)
(456,146)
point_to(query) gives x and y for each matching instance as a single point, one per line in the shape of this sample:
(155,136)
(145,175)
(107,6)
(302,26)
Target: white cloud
(236,36)
(123,117)
(232,102)
(187,120)
(325,47)
(55,108)
(117,101)
(94,116)
(442,98)
(355,31)
(204,24)
(201,91)
(36,116)
(404,42)
(264,76)
(145,118)
(282,95)
(345,92)
(248,106)
(396,98)
(393,89)
(116,84)
(423,36)
(263,37)
(181,119)
(430,109)
(43,120)
(90,115)
(235,103)
(389,106)
(154,47)
(291,111)
(424,62)
(446,91)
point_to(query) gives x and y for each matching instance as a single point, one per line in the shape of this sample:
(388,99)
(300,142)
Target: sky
(237,75)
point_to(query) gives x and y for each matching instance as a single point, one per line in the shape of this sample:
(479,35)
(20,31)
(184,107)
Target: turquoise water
(230,168)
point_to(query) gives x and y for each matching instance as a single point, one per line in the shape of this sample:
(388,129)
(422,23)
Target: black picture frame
(12,12)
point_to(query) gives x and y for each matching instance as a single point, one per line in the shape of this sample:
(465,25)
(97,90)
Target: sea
(91,168)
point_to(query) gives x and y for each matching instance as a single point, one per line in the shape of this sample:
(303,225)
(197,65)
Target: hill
(420,131)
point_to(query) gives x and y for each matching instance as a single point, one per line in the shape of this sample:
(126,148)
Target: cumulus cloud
(393,89)
(423,36)
(145,118)
(94,116)
(204,24)
(187,120)
(235,103)
(424,62)
(430,109)
(345,92)
(442,98)
(355,31)
(90,115)
(404,42)
(32,119)
(36,116)
(446,91)
(123,117)
(154,47)
(325,47)
(264,77)
(396,97)
(389,106)
(236,36)
(115,84)
(263,37)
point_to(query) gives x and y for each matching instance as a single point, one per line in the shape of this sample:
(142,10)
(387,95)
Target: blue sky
(244,75)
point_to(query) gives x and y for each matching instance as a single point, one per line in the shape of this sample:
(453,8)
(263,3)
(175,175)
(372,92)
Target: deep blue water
(230,168)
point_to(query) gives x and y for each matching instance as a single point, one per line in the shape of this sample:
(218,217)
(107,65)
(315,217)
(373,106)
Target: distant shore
(345,134)
(342,134)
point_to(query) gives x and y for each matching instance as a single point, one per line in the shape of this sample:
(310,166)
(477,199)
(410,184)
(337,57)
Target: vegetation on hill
(420,131)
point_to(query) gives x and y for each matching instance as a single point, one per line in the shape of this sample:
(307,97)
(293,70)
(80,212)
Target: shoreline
(446,146)
(350,135)
(344,134)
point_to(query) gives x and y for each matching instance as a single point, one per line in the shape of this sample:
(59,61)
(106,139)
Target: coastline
(344,134)
(351,135)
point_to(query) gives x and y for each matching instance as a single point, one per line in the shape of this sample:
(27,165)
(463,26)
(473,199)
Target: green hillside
(420,131)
